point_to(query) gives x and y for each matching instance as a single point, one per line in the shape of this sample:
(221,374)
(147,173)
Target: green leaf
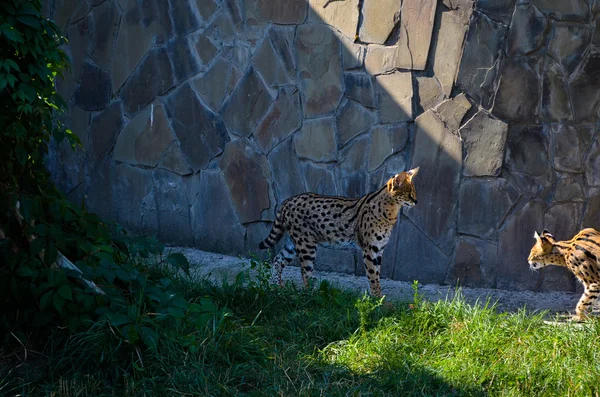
(12,34)
(117,319)
(26,271)
(176,312)
(149,337)
(11,64)
(58,302)
(179,261)
(37,246)
(66,292)
(46,300)
(29,20)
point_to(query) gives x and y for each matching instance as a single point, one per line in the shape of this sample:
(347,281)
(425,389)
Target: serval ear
(537,236)
(546,233)
(411,173)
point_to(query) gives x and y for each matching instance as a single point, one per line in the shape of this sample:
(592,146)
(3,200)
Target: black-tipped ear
(545,232)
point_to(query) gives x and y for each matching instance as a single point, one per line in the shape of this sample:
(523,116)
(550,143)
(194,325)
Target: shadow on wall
(199,117)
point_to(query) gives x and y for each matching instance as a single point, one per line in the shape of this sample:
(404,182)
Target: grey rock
(206,8)
(319,179)
(285,12)
(343,15)
(484,139)
(106,19)
(353,156)
(287,173)
(556,105)
(380,59)
(255,233)
(145,138)
(569,187)
(185,63)
(353,54)
(63,10)
(212,85)
(416,26)
(430,92)
(173,160)
(354,185)
(173,209)
(234,11)
(319,68)
(67,83)
(101,185)
(104,129)
(378,20)
(138,213)
(247,104)
(416,257)
(447,49)
(359,87)
(140,27)
(526,31)
(282,40)
(395,97)
(475,263)
(591,216)
(498,10)
(247,176)
(585,88)
(152,77)
(336,260)
(316,140)
(564,9)
(527,150)
(93,92)
(568,43)
(479,62)
(438,153)
(452,111)
(213,193)
(221,30)
(385,141)
(517,239)
(283,118)
(587,133)
(266,61)
(185,20)
(353,120)
(483,204)
(201,134)
(204,47)
(567,154)
(592,165)
(461,8)
(518,91)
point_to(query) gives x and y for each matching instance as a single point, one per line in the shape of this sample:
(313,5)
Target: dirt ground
(217,266)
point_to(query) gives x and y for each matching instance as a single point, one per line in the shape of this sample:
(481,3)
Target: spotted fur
(580,255)
(311,219)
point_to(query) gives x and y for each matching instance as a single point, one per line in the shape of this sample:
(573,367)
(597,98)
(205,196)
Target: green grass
(320,342)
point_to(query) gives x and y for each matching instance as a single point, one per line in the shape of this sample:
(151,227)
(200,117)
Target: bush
(40,228)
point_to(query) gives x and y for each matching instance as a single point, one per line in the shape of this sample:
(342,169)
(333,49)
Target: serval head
(542,253)
(401,187)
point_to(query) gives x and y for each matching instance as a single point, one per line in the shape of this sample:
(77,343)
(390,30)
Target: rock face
(199,117)
(319,69)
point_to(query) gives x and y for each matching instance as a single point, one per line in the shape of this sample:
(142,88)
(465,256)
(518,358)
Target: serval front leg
(588,298)
(372,259)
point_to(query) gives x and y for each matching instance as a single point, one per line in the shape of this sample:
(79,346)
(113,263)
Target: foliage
(325,341)
(36,294)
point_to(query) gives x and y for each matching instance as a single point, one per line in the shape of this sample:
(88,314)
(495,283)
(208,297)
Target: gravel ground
(218,266)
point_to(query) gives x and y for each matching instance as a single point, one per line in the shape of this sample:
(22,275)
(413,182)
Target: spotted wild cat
(580,255)
(311,219)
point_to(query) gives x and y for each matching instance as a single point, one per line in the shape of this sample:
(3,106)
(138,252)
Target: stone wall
(199,117)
